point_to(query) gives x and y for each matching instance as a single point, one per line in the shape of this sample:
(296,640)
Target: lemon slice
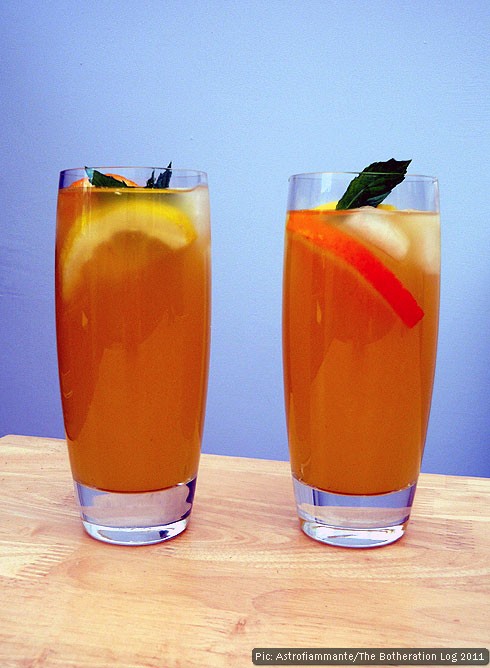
(329,206)
(326,206)
(157,220)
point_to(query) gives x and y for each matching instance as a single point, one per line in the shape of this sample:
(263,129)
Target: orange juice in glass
(133,321)
(360,320)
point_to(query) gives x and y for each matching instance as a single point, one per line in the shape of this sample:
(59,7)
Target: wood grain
(241,576)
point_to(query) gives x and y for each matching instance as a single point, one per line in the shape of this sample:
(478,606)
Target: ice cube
(376,226)
(427,242)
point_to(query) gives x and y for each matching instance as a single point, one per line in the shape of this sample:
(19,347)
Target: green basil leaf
(374,184)
(163,180)
(102,180)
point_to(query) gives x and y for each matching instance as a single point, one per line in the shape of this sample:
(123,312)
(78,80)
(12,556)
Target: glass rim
(409,176)
(133,167)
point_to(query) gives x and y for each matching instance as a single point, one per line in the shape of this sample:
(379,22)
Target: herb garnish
(374,184)
(163,179)
(104,181)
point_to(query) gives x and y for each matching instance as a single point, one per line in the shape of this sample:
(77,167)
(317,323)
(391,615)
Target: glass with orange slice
(133,328)
(360,321)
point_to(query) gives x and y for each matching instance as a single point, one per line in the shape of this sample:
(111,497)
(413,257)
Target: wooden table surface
(242,576)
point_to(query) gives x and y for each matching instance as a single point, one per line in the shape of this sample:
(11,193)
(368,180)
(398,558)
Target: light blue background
(250,92)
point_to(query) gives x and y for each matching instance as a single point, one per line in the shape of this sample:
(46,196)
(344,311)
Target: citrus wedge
(155,220)
(310,226)
(85,182)
(329,206)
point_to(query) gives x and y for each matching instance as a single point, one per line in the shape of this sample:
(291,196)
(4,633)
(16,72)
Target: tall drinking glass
(132,316)
(360,321)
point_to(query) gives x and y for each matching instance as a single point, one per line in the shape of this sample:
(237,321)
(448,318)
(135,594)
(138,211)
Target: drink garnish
(373,184)
(163,180)
(311,226)
(101,180)
(138,221)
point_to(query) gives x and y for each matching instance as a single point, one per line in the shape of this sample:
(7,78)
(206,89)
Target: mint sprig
(374,184)
(101,180)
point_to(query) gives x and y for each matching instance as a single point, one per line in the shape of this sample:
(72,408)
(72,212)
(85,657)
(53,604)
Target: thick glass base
(139,518)
(356,521)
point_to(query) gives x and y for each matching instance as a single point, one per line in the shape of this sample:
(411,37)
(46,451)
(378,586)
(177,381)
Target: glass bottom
(139,518)
(346,520)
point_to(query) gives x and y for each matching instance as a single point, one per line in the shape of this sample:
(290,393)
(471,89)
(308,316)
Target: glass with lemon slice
(133,327)
(360,320)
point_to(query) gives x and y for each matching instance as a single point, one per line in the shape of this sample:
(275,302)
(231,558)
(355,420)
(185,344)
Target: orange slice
(309,225)
(85,183)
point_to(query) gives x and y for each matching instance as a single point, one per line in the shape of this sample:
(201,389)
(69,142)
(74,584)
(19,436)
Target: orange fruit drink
(361,300)
(133,310)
